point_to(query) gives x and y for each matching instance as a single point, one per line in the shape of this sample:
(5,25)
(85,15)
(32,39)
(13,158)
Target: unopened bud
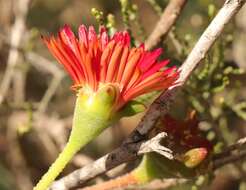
(194,157)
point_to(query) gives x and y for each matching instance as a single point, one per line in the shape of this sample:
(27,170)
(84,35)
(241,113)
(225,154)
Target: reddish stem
(119,182)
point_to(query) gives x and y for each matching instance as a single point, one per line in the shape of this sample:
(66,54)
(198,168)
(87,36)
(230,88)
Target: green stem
(91,117)
(64,157)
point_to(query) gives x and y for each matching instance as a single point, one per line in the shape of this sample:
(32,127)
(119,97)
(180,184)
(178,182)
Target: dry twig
(229,159)
(17,31)
(42,64)
(132,151)
(216,162)
(231,154)
(167,20)
(15,156)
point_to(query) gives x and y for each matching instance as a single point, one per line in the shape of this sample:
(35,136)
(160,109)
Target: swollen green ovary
(89,121)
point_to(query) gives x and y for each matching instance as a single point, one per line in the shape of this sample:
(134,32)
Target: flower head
(95,60)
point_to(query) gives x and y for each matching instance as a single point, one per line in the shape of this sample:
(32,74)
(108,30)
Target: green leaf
(132,108)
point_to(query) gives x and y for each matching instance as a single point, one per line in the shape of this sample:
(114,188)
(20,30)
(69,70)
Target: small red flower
(186,133)
(94,60)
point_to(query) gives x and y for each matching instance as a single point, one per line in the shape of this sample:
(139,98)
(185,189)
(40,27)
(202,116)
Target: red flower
(95,60)
(186,133)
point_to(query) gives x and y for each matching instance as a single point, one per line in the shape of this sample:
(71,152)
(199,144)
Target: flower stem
(120,182)
(64,157)
(91,117)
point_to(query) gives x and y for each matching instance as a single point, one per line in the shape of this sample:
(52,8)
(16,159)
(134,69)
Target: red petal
(133,59)
(155,68)
(106,55)
(122,64)
(149,59)
(83,35)
(114,63)
(92,35)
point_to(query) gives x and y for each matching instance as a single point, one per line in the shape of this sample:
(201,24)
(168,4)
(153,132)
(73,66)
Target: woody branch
(167,20)
(17,30)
